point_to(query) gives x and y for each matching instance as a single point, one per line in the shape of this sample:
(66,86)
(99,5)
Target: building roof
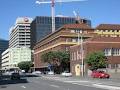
(108,27)
(80,26)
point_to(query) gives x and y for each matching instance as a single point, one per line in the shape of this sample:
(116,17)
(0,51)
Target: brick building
(108,30)
(61,40)
(109,45)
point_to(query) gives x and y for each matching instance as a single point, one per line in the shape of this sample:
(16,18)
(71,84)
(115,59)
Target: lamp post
(80,42)
(81,47)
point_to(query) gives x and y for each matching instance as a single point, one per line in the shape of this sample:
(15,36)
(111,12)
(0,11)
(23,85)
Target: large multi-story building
(3,47)
(108,30)
(109,45)
(20,33)
(61,40)
(107,41)
(12,56)
(42,26)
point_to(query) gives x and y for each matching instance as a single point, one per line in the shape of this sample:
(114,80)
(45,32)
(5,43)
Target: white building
(12,56)
(20,33)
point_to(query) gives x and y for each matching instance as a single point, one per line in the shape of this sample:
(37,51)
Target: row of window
(76,55)
(76,31)
(112,52)
(108,52)
(108,30)
(113,66)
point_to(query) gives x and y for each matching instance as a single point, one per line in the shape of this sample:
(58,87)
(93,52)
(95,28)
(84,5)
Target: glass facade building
(42,26)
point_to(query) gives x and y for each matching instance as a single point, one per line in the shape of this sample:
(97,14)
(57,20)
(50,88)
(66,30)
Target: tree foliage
(25,65)
(96,60)
(56,58)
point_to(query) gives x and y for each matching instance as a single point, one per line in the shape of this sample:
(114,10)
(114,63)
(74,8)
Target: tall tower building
(20,33)
(42,26)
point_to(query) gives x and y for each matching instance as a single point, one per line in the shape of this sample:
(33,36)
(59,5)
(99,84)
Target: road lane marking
(76,81)
(23,86)
(56,86)
(107,87)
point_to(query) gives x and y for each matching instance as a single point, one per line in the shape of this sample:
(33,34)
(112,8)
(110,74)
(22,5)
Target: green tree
(48,57)
(57,59)
(96,60)
(25,65)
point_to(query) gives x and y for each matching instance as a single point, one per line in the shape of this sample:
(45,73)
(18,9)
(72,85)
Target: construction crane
(52,2)
(77,17)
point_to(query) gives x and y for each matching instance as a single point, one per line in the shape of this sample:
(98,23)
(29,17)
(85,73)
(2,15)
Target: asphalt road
(40,83)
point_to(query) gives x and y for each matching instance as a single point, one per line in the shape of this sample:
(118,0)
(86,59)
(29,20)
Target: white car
(51,73)
(36,73)
(66,74)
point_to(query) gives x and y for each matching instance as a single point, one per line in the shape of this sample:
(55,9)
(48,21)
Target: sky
(98,11)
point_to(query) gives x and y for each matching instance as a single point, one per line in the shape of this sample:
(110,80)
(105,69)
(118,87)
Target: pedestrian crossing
(88,83)
(54,78)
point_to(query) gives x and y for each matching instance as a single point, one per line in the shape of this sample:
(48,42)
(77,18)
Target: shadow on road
(9,81)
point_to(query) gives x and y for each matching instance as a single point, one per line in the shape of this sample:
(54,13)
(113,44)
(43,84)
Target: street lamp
(81,47)
(80,42)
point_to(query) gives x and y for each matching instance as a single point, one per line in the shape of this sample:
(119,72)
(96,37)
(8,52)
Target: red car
(100,74)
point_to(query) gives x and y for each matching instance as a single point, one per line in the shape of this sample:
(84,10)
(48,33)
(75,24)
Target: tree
(57,59)
(96,60)
(48,57)
(25,65)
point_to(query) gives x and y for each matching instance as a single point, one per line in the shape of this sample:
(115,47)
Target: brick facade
(98,44)
(60,40)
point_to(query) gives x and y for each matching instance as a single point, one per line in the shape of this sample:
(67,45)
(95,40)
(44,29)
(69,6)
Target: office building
(20,33)
(3,47)
(12,56)
(41,26)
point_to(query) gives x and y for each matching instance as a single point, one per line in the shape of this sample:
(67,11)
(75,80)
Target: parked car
(66,74)
(36,72)
(15,76)
(50,73)
(100,74)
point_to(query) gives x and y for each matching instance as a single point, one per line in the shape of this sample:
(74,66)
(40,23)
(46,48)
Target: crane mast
(53,14)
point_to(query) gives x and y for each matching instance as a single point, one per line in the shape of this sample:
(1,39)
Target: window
(97,30)
(74,39)
(72,31)
(72,56)
(107,52)
(106,30)
(116,52)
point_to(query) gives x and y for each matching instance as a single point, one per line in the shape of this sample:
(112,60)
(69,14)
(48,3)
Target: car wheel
(108,77)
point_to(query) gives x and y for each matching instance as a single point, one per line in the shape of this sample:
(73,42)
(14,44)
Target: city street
(58,83)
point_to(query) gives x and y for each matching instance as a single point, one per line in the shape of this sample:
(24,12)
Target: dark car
(100,74)
(15,76)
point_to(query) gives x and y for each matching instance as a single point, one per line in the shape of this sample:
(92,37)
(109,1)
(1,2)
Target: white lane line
(77,81)
(107,87)
(56,86)
(23,86)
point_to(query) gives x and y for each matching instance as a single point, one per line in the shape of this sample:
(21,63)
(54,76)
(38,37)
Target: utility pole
(82,60)
(80,42)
